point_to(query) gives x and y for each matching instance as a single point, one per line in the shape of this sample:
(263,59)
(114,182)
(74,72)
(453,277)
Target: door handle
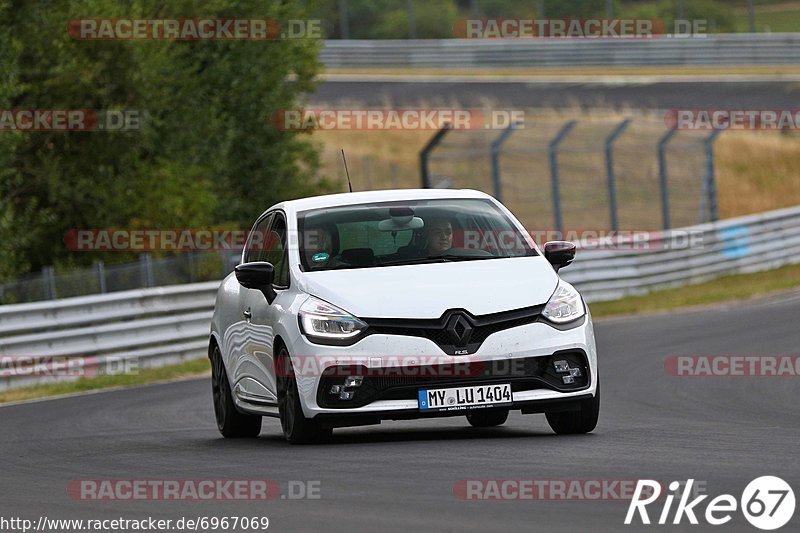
(247,314)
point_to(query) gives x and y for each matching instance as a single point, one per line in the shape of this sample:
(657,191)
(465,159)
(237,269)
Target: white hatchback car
(350,309)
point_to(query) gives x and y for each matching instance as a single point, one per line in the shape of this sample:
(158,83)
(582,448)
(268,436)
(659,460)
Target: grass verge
(192,368)
(728,288)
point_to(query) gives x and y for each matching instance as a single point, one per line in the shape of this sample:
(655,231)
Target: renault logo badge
(459,330)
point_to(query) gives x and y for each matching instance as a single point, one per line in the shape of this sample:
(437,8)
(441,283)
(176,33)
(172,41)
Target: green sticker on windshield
(319,258)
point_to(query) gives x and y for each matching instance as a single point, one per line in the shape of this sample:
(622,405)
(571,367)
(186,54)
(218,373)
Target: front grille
(403,383)
(456,332)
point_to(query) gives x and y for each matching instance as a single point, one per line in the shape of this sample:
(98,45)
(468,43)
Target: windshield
(407,232)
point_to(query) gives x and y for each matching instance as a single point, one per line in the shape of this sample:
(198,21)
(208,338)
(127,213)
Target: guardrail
(165,325)
(154,327)
(690,255)
(713,49)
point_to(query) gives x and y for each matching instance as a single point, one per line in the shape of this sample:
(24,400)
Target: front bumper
(346,419)
(530,348)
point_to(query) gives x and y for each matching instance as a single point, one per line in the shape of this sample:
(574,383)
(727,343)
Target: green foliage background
(207,154)
(434,19)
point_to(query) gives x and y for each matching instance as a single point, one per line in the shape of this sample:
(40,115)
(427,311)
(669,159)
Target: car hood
(428,290)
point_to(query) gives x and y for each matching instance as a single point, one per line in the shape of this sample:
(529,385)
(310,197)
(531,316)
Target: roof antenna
(347,172)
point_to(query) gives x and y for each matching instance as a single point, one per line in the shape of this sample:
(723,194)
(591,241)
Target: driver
(438,236)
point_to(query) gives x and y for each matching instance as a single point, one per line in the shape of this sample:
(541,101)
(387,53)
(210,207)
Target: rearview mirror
(402,219)
(559,253)
(257,275)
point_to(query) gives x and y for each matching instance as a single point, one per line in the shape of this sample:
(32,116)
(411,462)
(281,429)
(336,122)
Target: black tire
(575,422)
(232,423)
(488,418)
(297,429)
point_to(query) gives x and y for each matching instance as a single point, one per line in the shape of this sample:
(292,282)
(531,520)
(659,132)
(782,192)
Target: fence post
(554,184)
(101,275)
(344,23)
(366,169)
(225,256)
(146,270)
(425,153)
(662,176)
(612,184)
(412,22)
(49,282)
(710,180)
(495,151)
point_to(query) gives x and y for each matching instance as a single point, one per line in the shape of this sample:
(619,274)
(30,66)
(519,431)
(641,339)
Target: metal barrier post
(425,153)
(190,267)
(612,186)
(553,153)
(710,177)
(662,176)
(495,153)
(146,270)
(101,276)
(49,282)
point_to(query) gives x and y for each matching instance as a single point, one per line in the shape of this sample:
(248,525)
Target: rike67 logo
(767,503)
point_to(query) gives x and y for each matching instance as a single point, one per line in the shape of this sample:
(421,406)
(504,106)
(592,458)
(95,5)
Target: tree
(206,152)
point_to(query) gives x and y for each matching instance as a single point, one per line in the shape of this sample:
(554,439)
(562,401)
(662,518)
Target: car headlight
(327,324)
(565,305)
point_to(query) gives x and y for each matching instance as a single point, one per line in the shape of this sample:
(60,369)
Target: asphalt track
(399,476)
(621,94)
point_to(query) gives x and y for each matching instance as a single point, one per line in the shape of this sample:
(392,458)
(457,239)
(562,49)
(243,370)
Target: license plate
(455,399)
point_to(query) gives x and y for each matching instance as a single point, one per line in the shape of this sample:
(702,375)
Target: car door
(263,315)
(242,345)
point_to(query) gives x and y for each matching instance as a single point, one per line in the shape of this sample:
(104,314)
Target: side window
(275,250)
(254,250)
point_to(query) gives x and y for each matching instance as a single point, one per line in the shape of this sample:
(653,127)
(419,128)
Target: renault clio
(350,309)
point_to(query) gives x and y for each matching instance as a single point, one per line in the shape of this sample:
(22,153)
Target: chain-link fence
(602,174)
(370,173)
(554,174)
(188,267)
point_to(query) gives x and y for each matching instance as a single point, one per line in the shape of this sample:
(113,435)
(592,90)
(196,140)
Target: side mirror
(559,253)
(257,275)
